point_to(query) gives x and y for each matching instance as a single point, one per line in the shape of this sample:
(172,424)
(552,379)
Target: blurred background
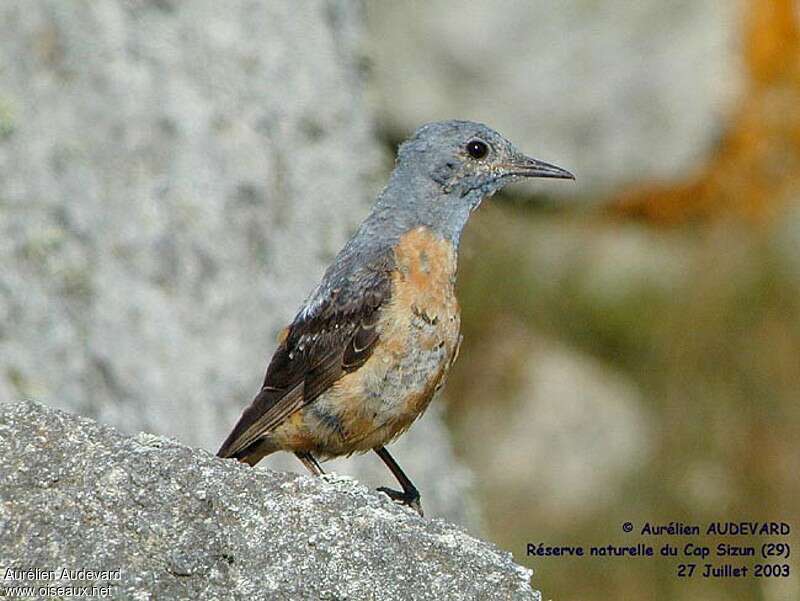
(175,176)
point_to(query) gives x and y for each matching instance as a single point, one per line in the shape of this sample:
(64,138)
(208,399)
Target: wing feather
(321,345)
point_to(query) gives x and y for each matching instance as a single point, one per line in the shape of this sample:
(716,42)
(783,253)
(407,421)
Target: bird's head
(469,159)
(442,174)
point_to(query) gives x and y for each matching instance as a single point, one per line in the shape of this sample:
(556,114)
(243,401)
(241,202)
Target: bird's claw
(408,498)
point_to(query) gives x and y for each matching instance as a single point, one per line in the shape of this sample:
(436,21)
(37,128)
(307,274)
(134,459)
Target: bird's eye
(477,149)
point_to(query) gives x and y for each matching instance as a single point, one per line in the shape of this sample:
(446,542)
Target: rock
(176,177)
(615,91)
(179,523)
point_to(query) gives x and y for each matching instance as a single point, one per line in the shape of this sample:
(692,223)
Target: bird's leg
(410,494)
(310,463)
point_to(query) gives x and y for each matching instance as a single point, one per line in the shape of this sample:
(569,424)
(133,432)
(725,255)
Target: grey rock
(174,178)
(181,524)
(615,91)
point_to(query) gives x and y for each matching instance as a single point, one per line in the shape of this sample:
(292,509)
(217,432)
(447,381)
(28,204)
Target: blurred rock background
(174,177)
(594,83)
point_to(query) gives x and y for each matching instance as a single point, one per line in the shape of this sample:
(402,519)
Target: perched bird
(373,343)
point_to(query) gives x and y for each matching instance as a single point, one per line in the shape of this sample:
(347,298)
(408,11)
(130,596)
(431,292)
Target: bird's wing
(335,334)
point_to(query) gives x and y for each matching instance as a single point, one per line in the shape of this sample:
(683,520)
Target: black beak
(528,167)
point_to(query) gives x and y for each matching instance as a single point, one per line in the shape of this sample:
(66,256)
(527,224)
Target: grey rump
(322,396)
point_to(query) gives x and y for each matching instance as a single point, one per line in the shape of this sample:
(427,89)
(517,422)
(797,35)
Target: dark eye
(477,149)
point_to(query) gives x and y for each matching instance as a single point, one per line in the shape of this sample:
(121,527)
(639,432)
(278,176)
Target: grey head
(442,174)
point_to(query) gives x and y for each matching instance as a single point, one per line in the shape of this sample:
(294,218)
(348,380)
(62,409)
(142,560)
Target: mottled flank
(181,524)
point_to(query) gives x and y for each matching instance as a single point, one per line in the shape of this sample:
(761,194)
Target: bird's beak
(529,167)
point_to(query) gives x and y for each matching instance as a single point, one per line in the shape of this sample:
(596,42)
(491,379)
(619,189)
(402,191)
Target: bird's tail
(252,453)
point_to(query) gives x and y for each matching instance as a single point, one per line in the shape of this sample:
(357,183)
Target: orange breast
(418,341)
(426,269)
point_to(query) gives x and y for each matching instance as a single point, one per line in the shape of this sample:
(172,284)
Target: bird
(372,344)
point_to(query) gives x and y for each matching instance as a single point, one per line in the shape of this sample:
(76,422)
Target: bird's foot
(408,498)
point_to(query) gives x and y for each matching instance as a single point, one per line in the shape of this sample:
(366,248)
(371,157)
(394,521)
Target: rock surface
(175,178)
(181,524)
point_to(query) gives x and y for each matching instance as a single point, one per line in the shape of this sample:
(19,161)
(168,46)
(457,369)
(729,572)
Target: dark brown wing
(335,336)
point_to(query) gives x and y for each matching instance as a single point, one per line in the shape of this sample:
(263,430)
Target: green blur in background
(652,379)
